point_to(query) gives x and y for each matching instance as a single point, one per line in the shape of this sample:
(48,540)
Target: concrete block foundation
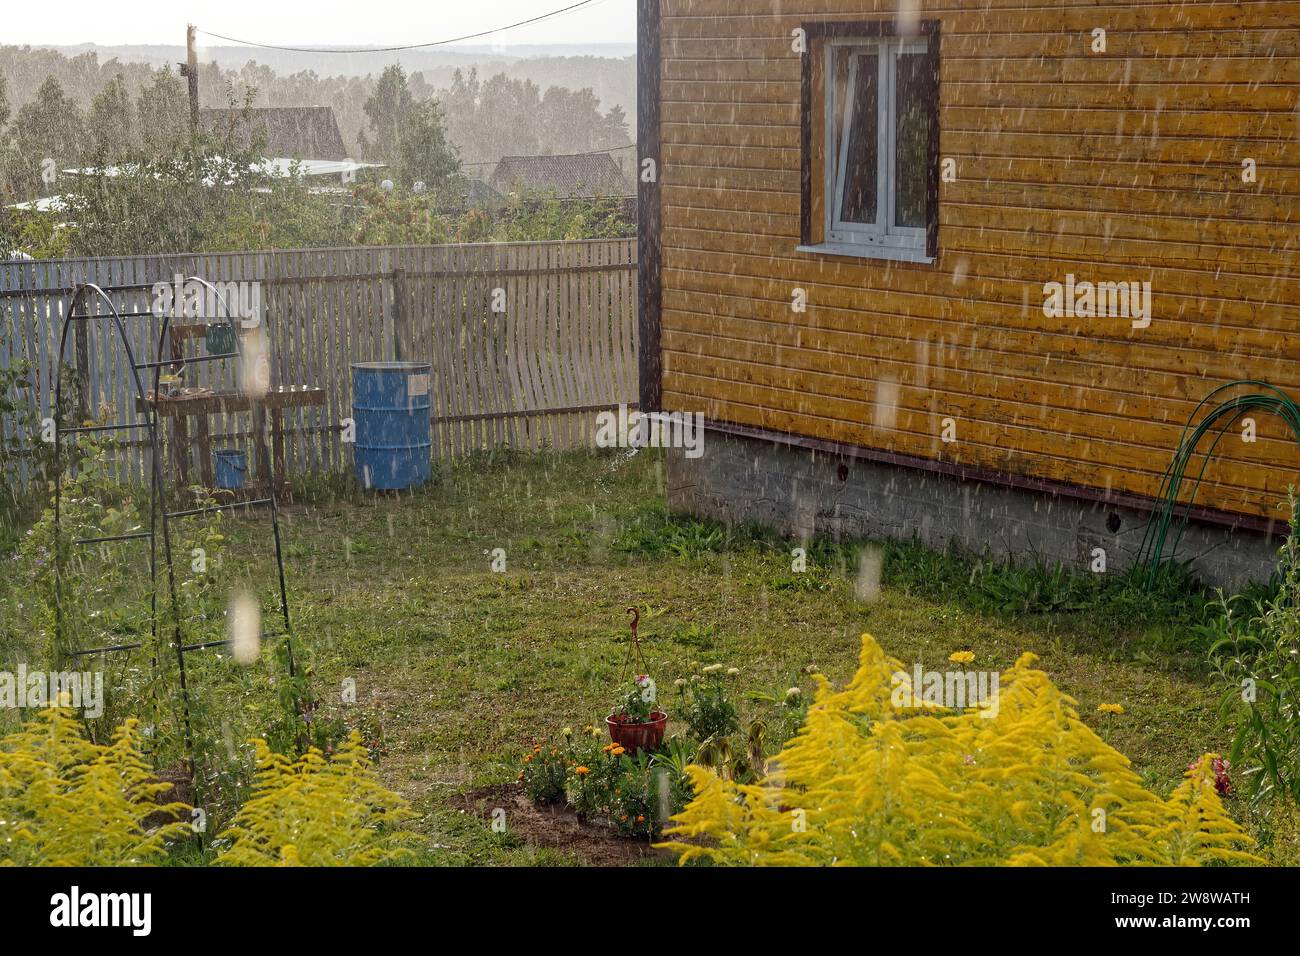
(803,492)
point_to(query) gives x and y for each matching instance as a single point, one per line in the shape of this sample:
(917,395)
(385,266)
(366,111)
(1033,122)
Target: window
(876,167)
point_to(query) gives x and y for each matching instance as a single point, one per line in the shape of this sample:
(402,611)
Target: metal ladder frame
(84,295)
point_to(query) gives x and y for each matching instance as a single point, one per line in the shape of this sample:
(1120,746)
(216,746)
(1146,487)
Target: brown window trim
(822,29)
(649,136)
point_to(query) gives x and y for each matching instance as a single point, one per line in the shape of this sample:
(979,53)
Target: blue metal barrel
(390,404)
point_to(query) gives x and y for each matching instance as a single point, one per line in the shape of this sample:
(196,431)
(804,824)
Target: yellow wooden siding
(1121,166)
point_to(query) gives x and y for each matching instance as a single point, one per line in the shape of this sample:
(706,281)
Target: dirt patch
(557,827)
(180,789)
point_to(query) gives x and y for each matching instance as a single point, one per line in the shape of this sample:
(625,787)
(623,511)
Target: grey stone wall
(801,493)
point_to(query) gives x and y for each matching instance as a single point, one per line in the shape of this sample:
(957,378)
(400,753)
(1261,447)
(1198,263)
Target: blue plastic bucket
(390,404)
(231,467)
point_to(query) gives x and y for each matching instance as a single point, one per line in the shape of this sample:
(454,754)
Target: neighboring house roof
(300,132)
(314,167)
(46,204)
(273,166)
(479,193)
(566,176)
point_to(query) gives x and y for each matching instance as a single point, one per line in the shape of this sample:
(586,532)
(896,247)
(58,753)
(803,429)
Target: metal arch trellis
(83,296)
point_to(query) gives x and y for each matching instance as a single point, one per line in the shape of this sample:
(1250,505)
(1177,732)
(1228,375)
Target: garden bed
(556,827)
(459,667)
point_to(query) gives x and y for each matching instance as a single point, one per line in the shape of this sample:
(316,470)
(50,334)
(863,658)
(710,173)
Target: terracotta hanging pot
(633,736)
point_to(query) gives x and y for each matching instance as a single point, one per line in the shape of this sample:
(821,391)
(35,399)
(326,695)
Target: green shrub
(1257,656)
(635,793)
(705,703)
(545,770)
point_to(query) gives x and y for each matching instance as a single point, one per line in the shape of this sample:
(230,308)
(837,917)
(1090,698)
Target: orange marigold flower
(528,759)
(618,751)
(640,818)
(581,771)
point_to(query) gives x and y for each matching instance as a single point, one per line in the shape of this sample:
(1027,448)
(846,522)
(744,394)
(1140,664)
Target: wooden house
(289,132)
(964,269)
(572,176)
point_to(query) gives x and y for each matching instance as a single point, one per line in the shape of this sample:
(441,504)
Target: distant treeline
(525,107)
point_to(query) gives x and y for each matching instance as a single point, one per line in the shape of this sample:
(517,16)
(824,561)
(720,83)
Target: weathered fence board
(527,341)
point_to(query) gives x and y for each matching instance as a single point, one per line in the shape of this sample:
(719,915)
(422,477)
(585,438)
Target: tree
(613,129)
(164,113)
(533,216)
(48,134)
(502,116)
(6,157)
(423,152)
(386,108)
(112,123)
(200,192)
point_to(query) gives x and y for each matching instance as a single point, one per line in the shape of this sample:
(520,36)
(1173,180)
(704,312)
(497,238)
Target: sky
(312,22)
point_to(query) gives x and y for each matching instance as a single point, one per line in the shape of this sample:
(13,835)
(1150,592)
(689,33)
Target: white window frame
(882,238)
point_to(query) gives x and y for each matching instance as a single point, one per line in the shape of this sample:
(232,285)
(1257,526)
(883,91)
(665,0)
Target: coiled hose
(1223,416)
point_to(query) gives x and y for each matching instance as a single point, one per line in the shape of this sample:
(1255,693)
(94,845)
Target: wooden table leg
(181,449)
(204,442)
(259,445)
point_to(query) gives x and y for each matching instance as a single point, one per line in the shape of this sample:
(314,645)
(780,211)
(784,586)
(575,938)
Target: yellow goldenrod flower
(1110,709)
(901,793)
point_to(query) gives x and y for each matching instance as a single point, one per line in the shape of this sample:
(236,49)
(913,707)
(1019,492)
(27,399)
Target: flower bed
(637,790)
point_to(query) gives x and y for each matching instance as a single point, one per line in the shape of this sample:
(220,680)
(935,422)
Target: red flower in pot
(637,722)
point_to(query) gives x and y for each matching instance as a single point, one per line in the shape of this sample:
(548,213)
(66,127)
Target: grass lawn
(464,665)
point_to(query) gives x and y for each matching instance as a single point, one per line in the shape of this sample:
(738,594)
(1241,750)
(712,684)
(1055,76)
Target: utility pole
(190,70)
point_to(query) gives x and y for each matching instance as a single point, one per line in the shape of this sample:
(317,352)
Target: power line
(396,49)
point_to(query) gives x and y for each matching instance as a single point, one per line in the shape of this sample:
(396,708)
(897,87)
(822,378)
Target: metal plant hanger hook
(635,662)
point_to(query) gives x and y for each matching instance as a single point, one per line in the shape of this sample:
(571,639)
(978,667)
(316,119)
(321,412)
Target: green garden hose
(1224,415)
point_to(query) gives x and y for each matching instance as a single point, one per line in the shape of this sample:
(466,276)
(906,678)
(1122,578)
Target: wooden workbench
(199,406)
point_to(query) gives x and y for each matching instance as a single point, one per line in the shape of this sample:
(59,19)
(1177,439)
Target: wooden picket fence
(527,342)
